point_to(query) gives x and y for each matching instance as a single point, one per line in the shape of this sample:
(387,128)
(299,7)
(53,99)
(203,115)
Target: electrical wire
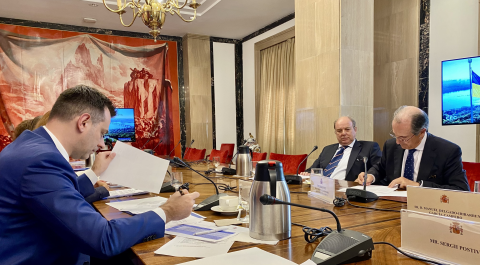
(312,234)
(221,186)
(410,256)
(377,209)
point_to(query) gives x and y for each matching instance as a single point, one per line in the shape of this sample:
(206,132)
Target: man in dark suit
(417,158)
(44,218)
(344,160)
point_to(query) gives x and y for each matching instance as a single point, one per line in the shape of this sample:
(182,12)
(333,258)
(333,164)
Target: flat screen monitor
(122,126)
(461,91)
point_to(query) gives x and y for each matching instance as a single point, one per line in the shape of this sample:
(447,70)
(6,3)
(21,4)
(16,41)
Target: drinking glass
(244,200)
(476,186)
(216,161)
(177,180)
(254,165)
(317,171)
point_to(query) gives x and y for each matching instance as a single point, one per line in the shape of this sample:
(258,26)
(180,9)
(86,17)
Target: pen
(106,150)
(210,231)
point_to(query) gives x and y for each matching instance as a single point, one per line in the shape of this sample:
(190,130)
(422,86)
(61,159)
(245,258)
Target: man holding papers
(415,157)
(44,218)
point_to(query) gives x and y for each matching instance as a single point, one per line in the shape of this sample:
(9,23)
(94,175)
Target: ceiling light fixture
(153,12)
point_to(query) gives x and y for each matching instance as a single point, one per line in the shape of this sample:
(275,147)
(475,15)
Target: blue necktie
(409,167)
(334,162)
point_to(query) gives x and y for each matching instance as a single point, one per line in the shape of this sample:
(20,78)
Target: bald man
(415,157)
(344,160)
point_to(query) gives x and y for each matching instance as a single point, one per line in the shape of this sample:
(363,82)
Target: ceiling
(218,18)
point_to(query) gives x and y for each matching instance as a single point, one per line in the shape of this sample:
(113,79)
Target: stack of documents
(380,190)
(138,206)
(125,192)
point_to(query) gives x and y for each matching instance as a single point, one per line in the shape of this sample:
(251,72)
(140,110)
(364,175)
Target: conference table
(380,225)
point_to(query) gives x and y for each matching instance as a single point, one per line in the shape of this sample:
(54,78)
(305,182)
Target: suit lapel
(397,161)
(357,147)
(428,158)
(329,153)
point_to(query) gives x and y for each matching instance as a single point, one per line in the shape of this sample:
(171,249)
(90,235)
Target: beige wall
(396,47)
(334,57)
(198,98)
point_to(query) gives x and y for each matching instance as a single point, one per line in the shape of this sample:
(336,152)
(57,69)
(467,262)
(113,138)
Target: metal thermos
(244,161)
(269,222)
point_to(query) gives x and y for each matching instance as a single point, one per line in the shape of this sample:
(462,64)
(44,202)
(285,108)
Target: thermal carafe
(269,222)
(244,161)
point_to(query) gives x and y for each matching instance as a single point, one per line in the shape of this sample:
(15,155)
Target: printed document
(125,192)
(380,190)
(187,247)
(138,206)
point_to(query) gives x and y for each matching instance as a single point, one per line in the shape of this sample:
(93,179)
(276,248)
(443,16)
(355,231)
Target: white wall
(225,105)
(249,77)
(453,34)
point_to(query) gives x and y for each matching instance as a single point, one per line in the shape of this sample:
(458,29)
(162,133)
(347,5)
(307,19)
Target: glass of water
(216,161)
(244,200)
(177,180)
(476,186)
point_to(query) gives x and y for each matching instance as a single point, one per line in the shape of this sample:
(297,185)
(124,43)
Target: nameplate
(462,205)
(322,188)
(444,239)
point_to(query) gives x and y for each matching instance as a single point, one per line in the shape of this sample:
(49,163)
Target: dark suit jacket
(440,167)
(44,218)
(100,193)
(355,165)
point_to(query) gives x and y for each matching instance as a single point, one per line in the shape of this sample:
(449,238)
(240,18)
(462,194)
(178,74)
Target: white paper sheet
(244,236)
(251,256)
(308,262)
(136,169)
(186,247)
(192,219)
(187,230)
(138,206)
(380,190)
(125,192)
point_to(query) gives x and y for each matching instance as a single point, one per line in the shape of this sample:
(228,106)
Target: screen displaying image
(461,91)
(122,126)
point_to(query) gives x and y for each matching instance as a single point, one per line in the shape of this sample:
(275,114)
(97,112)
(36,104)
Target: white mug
(228,203)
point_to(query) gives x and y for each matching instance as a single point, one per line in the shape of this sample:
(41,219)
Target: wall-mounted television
(122,126)
(461,91)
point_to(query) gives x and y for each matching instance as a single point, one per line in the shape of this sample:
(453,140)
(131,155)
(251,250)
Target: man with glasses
(415,157)
(344,160)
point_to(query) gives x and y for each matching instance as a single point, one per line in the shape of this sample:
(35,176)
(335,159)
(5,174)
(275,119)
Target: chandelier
(153,12)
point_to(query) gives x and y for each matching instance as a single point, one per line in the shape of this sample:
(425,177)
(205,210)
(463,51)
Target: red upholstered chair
(229,148)
(290,162)
(473,173)
(219,153)
(259,156)
(194,154)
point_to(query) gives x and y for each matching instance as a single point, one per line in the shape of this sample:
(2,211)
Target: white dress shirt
(90,174)
(417,158)
(341,170)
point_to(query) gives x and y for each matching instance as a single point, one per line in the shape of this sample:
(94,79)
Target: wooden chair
(473,173)
(229,148)
(219,153)
(259,156)
(194,154)
(290,162)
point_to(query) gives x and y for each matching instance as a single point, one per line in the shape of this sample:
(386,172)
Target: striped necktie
(334,162)
(409,166)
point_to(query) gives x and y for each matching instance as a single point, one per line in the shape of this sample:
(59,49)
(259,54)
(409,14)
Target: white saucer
(219,210)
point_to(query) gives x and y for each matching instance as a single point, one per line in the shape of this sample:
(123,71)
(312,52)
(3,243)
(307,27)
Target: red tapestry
(36,65)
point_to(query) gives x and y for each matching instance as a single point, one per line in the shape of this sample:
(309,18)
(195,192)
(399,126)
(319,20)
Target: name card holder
(322,188)
(443,239)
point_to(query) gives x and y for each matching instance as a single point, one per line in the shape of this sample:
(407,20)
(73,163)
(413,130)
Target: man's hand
(101,183)
(179,206)
(402,183)
(304,174)
(102,160)
(360,178)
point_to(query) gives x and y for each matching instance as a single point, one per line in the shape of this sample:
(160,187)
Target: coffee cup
(228,203)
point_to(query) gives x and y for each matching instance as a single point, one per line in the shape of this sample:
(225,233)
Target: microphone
(174,147)
(188,149)
(228,170)
(314,149)
(362,195)
(296,179)
(146,143)
(341,246)
(152,151)
(209,202)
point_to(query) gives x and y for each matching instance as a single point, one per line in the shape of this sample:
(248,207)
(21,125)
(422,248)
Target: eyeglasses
(401,139)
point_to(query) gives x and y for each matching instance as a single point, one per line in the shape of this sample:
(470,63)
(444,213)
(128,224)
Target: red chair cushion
(194,154)
(290,162)
(473,172)
(219,153)
(259,156)
(229,148)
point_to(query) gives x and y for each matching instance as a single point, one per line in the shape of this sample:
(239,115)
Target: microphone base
(343,247)
(361,195)
(293,179)
(208,203)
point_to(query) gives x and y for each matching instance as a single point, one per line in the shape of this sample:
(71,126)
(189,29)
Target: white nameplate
(450,203)
(445,239)
(322,188)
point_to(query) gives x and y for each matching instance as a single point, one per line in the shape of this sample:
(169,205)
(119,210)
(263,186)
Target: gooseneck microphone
(362,195)
(188,148)
(209,202)
(338,247)
(174,147)
(314,148)
(145,143)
